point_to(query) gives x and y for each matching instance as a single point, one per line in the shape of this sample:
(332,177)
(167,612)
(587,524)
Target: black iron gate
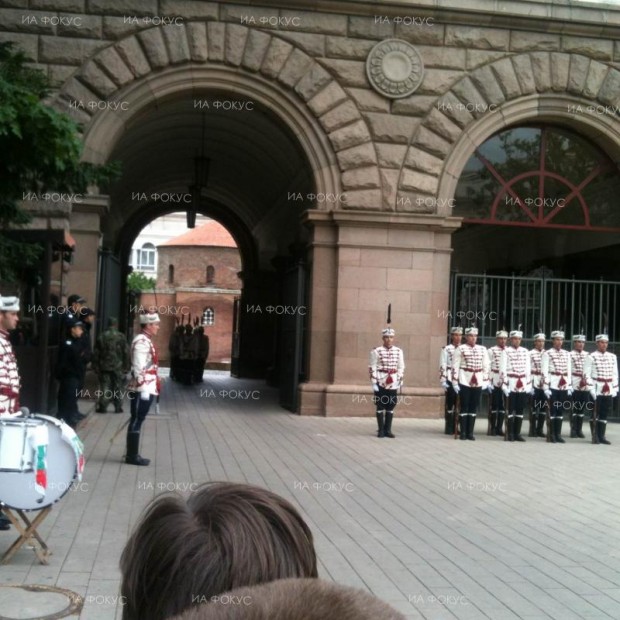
(536,303)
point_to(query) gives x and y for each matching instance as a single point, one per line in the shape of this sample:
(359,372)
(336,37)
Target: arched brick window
(210,274)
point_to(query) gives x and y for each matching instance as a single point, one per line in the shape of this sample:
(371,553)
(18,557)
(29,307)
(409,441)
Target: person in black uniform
(72,360)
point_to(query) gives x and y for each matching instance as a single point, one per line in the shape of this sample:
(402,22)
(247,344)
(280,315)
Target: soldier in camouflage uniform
(111,363)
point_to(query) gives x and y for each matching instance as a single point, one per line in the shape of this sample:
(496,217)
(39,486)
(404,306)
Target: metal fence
(537,304)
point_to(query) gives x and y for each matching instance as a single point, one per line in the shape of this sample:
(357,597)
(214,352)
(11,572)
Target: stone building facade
(338,191)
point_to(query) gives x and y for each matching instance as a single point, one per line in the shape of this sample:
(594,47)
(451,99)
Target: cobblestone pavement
(438,528)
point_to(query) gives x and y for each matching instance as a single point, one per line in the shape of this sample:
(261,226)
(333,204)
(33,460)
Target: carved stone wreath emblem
(394,68)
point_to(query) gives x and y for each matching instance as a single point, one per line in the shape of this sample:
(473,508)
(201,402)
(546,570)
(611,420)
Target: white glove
(548,393)
(145,396)
(531,391)
(593,393)
(506,391)
(375,387)
(456,388)
(490,388)
(444,385)
(569,391)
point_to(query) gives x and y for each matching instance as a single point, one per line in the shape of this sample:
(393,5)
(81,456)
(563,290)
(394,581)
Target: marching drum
(40,459)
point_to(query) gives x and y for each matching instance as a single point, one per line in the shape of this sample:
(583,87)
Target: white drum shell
(17,489)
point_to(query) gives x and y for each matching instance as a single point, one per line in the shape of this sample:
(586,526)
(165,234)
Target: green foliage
(137,281)
(41,151)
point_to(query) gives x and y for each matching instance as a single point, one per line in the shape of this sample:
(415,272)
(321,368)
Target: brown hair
(294,599)
(223,536)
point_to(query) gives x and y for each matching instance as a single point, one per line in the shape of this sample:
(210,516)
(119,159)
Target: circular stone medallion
(394,68)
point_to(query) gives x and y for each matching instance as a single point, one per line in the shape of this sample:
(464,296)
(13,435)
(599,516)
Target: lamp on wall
(201,176)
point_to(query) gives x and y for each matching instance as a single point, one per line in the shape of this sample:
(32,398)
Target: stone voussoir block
(132,53)
(430,142)
(350,135)
(176,43)
(312,82)
(361,178)
(111,62)
(413,180)
(236,37)
(154,47)
(391,127)
(256,46)
(357,156)
(97,80)
(469,95)
(339,116)
(596,77)
(577,74)
(609,92)
(421,160)
(487,84)
(506,77)
(294,68)
(559,65)
(216,35)
(541,70)
(329,97)
(277,54)
(525,73)
(390,155)
(197,41)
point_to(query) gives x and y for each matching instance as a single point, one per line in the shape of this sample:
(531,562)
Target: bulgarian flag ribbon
(77,446)
(39,440)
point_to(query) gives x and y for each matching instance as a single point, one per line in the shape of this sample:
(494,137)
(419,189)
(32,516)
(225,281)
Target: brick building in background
(197,276)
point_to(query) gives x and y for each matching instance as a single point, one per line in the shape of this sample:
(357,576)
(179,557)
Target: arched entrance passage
(267,158)
(539,241)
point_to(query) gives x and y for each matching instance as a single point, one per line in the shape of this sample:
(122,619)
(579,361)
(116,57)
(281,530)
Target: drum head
(17,489)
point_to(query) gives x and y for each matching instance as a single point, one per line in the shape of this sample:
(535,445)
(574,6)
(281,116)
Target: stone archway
(157,62)
(537,85)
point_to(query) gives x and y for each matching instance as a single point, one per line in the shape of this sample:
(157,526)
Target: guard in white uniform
(581,384)
(10,383)
(557,381)
(539,400)
(470,375)
(144,384)
(386,369)
(517,384)
(445,378)
(497,359)
(602,368)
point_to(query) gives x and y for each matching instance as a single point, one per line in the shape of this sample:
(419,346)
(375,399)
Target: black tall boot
(558,429)
(510,426)
(500,423)
(463,418)
(133,445)
(387,429)
(381,423)
(518,422)
(492,421)
(579,426)
(602,427)
(573,426)
(449,428)
(471,422)
(532,431)
(540,424)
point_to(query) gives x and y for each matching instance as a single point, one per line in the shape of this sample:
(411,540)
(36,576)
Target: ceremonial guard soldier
(470,374)
(581,384)
(386,368)
(557,382)
(497,360)
(445,377)
(539,400)
(144,384)
(602,368)
(9,374)
(517,384)
(111,362)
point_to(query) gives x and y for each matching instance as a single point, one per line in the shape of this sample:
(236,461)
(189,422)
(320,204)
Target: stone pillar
(86,230)
(362,262)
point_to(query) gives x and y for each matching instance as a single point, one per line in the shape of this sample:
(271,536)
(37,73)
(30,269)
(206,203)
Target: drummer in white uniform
(9,374)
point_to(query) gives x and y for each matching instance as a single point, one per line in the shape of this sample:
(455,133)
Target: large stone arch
(519,88)
(161,61)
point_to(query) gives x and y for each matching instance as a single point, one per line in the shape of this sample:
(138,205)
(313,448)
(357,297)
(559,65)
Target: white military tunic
(556,369)
(536,368)
(9,377)
(580,377)
(497,360)
(144,365)
(518,375)
(387,367)
(445,363)
(603,370)
(470,366)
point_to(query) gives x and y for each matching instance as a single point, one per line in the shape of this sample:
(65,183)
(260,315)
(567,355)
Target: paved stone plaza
(439,528)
